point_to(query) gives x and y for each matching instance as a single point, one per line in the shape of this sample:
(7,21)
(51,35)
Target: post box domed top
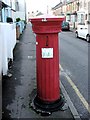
(46,24)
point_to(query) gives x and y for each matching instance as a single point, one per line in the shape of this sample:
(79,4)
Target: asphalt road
(74,62)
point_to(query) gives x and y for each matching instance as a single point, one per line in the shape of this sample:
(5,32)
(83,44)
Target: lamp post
(78,4)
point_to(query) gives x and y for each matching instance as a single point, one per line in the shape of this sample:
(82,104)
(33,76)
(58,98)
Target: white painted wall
(20,15)
(21,5)
(7,44)
(13,4)
(22,10)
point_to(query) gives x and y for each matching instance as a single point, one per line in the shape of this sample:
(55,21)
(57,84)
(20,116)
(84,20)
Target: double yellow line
(85,103)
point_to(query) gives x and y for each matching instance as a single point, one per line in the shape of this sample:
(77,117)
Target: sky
(40,5)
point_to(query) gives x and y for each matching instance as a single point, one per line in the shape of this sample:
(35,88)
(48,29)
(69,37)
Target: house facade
(69,9)
(84,12)
(75,11)
(13,9)
(20,10)
(6,10)
(8,32)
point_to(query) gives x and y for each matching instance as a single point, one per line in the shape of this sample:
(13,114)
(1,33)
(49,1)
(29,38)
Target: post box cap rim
(47,17)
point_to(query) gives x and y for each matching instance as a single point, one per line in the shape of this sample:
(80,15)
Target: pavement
(19,89)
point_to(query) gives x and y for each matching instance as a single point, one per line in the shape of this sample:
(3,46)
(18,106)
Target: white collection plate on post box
(47,52)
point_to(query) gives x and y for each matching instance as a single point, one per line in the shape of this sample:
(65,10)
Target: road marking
(60,67)
(69,103)
(85,103)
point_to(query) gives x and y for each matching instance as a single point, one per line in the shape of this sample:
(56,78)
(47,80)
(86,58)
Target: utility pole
(89,17)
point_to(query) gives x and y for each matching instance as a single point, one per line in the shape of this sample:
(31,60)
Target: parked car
(82,32)
(65,25)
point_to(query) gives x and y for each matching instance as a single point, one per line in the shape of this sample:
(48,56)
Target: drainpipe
(3,15)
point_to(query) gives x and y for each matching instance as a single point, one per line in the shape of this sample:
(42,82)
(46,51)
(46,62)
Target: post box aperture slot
(46,40)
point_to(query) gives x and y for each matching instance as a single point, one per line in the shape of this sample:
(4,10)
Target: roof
(39,14)
(62,3)
(3,5)
(57,6)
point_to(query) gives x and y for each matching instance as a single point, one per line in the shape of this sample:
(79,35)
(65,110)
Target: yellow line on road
(85,103)
(60,67)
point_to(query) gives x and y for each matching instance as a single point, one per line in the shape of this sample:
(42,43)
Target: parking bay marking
(85,103)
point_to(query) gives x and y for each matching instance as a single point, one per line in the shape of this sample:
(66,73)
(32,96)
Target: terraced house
(7,9)
(75,11)
(10,10)
(84,11)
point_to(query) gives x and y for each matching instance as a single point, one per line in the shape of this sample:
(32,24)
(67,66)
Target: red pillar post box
(47,62)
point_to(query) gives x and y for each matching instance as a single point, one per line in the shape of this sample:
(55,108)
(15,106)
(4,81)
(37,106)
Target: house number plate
(47,52)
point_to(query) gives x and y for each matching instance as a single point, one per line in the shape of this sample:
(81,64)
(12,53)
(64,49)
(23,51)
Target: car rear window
(65,23)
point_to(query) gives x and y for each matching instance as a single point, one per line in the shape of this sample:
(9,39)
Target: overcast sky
(40,5)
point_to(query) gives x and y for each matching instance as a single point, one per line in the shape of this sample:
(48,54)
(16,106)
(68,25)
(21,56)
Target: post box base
(49,106)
